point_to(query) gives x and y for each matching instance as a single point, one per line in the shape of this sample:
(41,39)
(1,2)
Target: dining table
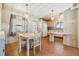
(27,37)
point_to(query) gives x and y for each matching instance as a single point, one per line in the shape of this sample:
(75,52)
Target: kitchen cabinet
(2,44)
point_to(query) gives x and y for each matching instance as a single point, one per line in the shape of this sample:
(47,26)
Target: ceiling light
(52,18)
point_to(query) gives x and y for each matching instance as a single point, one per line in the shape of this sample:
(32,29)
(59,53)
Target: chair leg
(34,50)
(19,50)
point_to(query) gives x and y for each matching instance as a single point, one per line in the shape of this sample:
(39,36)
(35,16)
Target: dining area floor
(48,48)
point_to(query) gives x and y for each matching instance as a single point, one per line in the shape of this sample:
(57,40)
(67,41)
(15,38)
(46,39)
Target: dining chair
(33,43)
(37,41)
(22,42)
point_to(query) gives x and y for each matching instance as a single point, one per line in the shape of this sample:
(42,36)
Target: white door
(44,29)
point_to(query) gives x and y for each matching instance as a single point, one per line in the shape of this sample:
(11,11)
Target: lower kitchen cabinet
(2,44)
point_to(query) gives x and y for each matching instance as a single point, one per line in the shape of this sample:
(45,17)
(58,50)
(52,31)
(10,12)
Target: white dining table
(27,37)
(52,34)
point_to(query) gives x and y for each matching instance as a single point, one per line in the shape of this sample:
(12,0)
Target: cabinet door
(2,46)
(2,51)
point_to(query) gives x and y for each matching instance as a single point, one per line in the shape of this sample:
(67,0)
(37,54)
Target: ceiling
(39,10)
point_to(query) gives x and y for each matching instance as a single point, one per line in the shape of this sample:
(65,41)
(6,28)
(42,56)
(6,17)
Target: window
(60,25)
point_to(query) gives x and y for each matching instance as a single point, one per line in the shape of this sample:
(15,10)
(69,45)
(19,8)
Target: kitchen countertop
(58,32)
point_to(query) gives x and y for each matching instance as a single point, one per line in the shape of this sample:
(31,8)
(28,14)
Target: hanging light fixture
(52,12)
(52,17)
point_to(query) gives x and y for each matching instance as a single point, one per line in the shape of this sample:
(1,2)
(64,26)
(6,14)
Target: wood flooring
(48,49)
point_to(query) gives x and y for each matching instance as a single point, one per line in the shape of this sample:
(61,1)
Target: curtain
(12,25)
